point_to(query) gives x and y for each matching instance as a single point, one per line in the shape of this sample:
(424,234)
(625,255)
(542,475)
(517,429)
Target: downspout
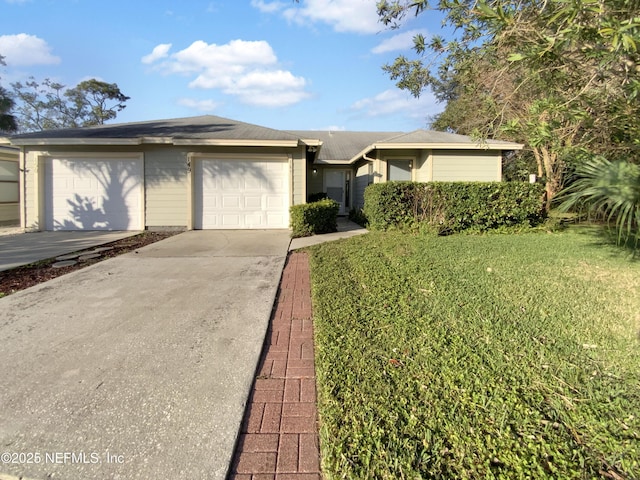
(373,162)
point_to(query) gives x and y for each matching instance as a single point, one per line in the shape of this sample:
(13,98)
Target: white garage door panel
(90,194)
(239,194)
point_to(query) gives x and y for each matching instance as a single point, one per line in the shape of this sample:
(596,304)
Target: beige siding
(299,164)
(464,165)
(165,176)
(423,166)
(31,189)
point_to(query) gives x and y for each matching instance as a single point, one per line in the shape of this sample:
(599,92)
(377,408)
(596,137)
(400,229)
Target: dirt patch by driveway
(26,276)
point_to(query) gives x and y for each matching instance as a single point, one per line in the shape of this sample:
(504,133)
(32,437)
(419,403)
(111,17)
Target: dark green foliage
(356,215)
(316,217)
(50,105)
(314,197)
(7,120)
(609,189)
(449,207)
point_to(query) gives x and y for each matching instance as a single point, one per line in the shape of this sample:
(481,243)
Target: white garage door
(93,194)
(238,194)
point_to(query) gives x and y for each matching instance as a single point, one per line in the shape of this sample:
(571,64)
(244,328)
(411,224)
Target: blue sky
(315,64)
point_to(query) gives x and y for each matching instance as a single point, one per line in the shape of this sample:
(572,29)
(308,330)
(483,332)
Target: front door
(334,185)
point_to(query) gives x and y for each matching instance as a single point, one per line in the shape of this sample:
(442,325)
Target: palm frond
(611,189)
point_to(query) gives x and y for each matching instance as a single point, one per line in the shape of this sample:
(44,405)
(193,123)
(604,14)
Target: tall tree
(8,122)
(48,105)
(562,76)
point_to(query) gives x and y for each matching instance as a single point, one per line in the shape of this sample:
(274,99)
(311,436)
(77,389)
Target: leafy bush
(449,207)
(357,216)
(609,189)
(314,197)
(316,217)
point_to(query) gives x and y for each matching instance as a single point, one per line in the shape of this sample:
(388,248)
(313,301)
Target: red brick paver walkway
(279,439)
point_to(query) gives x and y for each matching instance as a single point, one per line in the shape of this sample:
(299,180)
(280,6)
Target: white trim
(236,143)
(75,141)
(344,193)
(239,156)
(92,155)
(411,158)
(154,141)
(494,145)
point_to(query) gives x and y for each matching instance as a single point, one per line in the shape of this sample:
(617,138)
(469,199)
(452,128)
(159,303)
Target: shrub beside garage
(316,217)
(451,207)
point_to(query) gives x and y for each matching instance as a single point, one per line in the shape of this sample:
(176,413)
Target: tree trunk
(553,173)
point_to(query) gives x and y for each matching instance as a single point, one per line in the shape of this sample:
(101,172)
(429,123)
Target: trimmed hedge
(316,217)
(450,207)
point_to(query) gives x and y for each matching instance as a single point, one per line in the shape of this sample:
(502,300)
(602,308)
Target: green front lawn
(511,356)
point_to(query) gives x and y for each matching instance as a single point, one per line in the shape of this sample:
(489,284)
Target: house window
(399,170)
(9,192)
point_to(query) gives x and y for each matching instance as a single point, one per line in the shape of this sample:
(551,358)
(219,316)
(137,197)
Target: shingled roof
(334,146)
(341,145)
(206,127)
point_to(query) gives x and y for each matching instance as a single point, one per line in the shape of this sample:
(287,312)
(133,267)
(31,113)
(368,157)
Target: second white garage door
(239,194)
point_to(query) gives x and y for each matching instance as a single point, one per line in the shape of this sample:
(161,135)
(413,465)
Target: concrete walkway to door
(140,365)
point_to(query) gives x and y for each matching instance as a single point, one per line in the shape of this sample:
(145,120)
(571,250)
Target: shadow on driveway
(139,365)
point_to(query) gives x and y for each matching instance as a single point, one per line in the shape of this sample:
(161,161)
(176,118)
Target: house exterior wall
(299,176)
(167,179)
(465,165)
(423,166)
(428,165)
(166,188)
(390,155)
(363,177)
(315,182)
(9,186)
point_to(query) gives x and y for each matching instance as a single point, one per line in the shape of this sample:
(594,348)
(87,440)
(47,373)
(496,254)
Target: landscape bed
(494,356)
(26,276)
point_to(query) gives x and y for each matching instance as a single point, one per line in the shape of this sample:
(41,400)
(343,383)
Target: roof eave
(436,146)
(450,146)
(237,143)
(311,142)
(151,141)
(74,141)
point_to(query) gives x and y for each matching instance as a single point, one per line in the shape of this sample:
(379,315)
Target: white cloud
(161,51)
(395,101)
(24,50)
(202,105)
(265,7)
(334,128)
(356,16)
(245,69)
(401,41)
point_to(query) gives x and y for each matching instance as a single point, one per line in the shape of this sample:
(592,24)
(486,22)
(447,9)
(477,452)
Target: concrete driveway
(24,248)
(139,366)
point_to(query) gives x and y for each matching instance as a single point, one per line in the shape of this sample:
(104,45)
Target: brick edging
(279,435)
